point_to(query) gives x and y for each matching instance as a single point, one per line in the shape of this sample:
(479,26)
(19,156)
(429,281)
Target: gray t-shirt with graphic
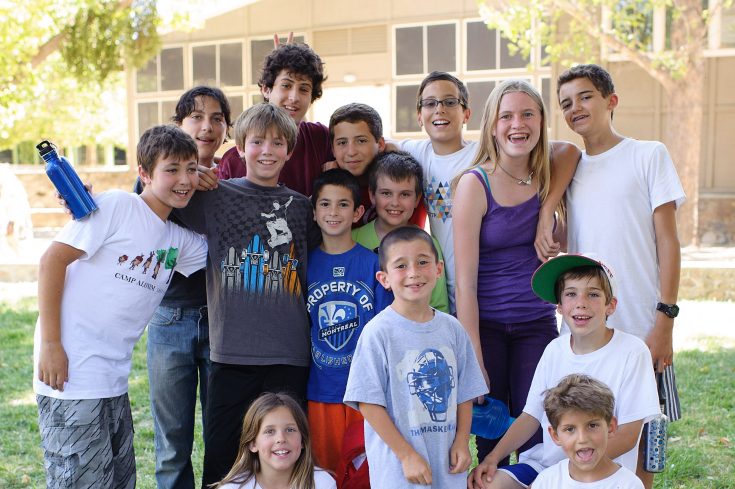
(419,372)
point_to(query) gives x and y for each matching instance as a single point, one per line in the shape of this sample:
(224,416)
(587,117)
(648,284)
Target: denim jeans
(178,358)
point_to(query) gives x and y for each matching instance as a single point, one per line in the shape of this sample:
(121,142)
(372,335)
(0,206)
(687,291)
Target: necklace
(519,181)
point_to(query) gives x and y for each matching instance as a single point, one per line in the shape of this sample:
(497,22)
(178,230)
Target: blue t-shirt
(343,295)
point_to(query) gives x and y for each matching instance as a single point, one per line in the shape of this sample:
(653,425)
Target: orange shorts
(327,425)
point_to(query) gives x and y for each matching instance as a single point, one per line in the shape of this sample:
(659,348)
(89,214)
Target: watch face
(671,310)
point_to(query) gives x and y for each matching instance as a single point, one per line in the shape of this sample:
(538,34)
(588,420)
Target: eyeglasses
(448,103)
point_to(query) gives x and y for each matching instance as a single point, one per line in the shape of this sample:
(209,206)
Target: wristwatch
(671,310)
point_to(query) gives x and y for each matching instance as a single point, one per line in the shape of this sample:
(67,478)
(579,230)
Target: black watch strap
(671,310)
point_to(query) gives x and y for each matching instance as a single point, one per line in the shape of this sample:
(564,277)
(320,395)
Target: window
(727,26)
(259,49)
(236,107)
(217,64)
(163,72)
(422,49)
(488,50)
(479,92)
(147,116)
(406,118)
(172,69)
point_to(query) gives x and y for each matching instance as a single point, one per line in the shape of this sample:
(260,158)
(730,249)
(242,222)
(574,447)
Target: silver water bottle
(654,436)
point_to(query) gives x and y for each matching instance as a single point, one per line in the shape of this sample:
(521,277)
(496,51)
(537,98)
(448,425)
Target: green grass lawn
(701,448)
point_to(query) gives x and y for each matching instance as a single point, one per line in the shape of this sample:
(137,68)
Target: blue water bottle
(66,181)
(491,419)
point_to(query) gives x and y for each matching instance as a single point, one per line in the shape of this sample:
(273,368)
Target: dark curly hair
(296,58)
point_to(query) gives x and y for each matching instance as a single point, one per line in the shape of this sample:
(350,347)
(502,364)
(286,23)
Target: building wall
(357,42)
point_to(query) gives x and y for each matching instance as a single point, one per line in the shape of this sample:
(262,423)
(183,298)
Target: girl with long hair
(496,211)
(275,449)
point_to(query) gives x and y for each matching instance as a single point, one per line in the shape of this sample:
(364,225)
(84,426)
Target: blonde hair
(247,464)
(487,149)
(256,120)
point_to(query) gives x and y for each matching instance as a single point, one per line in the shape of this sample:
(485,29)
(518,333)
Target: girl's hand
(459,457)
(415,469)
(53,365)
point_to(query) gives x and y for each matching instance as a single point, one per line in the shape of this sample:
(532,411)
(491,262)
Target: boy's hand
(329,165)
(459,457)
(660,342)
(482,474)
(207,178)
(277,42)
(53,365)
(63,203)
(415,469)
(544,243)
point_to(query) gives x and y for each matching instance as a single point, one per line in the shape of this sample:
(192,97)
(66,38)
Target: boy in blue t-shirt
(343,295)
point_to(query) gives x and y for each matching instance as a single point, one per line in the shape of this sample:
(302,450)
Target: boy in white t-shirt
(622,205)
(99,283)
(442,110)
(584,290)
(580,412)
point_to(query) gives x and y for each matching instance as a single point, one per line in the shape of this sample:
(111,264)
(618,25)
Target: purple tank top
(507,260)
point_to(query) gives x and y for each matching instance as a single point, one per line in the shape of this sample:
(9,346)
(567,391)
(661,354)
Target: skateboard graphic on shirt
(259,270)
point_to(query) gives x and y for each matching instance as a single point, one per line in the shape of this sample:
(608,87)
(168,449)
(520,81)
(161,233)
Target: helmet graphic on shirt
(432,381)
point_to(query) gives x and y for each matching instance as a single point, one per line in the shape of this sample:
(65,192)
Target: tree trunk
(683,137)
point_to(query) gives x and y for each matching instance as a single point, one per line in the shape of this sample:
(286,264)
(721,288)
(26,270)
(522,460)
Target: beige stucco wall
(641,113)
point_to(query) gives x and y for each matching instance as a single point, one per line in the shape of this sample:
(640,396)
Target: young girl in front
(495,212)
(275,449)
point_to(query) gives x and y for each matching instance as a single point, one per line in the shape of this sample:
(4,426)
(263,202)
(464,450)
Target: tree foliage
(583,31)
(59,57)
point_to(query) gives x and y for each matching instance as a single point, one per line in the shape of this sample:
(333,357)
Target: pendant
(526,181)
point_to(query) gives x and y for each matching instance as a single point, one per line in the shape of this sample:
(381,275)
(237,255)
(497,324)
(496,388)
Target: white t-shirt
(624,365)
(112,291)
(439,171)
(557,477)
(611,201)
(322,480)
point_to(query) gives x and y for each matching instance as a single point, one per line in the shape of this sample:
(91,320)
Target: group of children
(312,305)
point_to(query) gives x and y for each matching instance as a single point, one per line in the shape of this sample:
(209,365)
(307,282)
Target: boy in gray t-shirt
(414,375)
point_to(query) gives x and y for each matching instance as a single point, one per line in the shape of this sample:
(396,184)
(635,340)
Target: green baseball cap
(544,278)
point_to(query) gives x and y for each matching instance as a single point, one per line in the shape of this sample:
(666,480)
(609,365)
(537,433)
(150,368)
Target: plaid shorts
(87,443)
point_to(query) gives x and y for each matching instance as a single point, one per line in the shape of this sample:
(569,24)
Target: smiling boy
(258,233)
(395,192)
(581,421)
(178,333)
(292,79)
(84,341)
(343,296)
(414,375)
(584,290)
(639,191)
